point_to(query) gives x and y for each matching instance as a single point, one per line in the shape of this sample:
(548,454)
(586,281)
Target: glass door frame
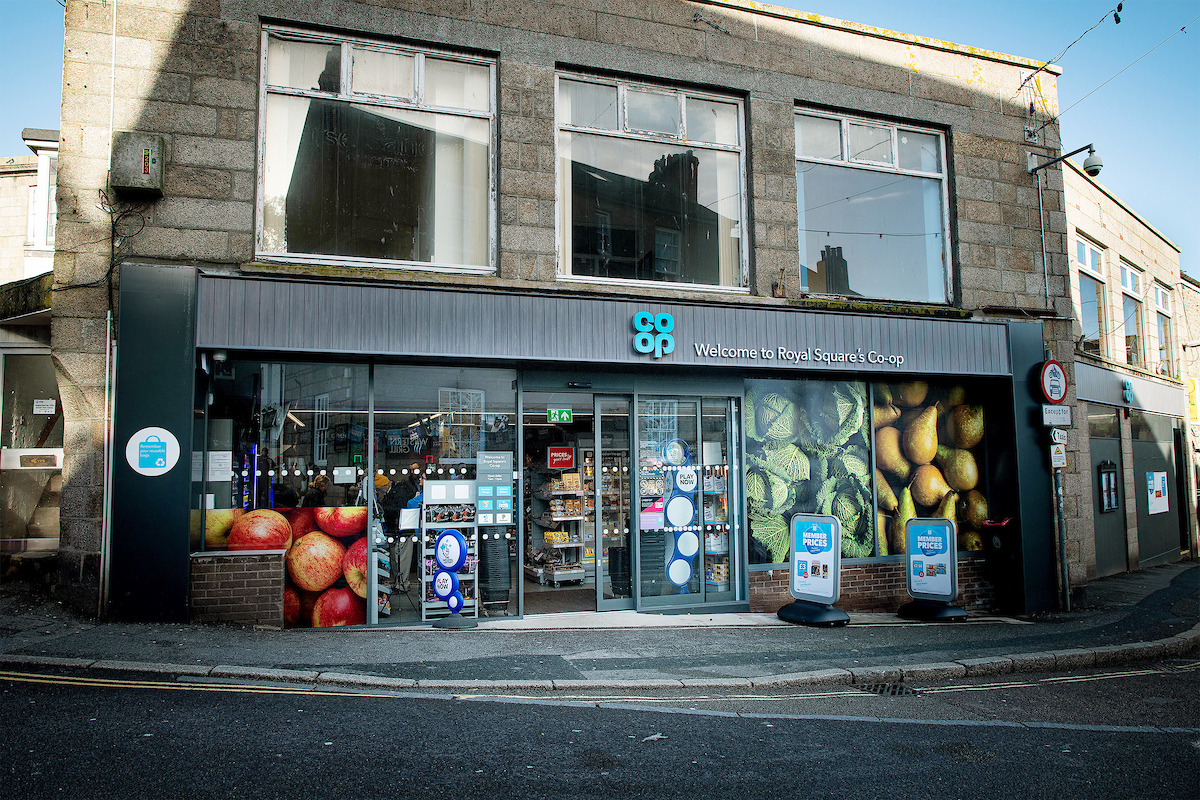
(621,603)
(734,401)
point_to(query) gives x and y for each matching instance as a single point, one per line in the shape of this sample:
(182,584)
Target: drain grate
(888,689)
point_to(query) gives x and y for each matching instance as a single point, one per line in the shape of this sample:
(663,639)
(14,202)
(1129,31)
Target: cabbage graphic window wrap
(930,459)
(807,451)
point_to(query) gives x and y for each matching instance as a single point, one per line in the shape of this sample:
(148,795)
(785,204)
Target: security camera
(219,356)
(1092,164)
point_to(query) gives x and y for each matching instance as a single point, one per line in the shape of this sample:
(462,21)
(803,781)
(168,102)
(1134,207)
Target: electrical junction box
(137,164)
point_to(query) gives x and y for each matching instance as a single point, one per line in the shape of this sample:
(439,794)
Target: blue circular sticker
(450,552)
(455,602)
(445,584)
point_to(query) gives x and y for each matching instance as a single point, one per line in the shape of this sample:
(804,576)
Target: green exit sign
(558,415)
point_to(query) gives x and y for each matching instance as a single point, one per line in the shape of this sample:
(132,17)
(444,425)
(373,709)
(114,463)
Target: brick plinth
(875,587)
(242,588)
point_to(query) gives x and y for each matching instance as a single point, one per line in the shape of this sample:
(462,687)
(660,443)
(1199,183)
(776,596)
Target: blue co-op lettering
(654,333)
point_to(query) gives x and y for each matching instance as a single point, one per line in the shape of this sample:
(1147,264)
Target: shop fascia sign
(653,334)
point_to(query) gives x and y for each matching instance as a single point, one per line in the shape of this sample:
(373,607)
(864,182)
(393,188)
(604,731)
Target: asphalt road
(1118,733)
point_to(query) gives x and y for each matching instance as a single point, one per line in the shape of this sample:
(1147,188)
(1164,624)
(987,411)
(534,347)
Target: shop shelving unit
(544,518)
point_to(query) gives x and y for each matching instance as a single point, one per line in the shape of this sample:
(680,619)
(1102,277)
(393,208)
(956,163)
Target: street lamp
(1091,165)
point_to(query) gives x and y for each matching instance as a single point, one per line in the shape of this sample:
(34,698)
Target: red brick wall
(875,587)
(242,588)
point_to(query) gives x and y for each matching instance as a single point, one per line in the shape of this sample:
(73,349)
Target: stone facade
(188,70)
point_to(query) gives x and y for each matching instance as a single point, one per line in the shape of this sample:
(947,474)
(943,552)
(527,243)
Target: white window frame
(1162,298)
(1131,280)
(846,159)
(1101,303)
(624,131)
(346,95)
(1083,241)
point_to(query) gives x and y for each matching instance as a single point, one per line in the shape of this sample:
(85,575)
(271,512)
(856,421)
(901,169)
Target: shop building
(1131,313)
(31,415)
(609,294)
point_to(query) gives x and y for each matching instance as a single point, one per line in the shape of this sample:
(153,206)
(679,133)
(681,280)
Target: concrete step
(55,484)
(44,524)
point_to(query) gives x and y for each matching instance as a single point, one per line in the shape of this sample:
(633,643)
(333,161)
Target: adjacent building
(614,291)
(1131,310)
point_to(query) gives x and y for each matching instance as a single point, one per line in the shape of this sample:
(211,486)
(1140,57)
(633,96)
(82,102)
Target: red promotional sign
(1054,381)
(560,457)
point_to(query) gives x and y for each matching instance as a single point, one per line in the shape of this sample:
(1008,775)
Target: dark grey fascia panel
(368,319)
(1099,385)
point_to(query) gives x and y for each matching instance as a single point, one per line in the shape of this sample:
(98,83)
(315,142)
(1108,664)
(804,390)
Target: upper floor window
(375,151)
(1131,310)
(1131,279)
(1162,298)
(651,184)
(1091,315)
(1089,256)
(872,209)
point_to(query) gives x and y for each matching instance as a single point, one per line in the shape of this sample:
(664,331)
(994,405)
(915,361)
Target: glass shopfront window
(908,450)
(287,466)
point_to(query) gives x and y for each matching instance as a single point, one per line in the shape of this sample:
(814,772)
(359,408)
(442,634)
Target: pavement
(1150,615)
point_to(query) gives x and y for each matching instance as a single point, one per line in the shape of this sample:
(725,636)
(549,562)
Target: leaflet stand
(815,581)
(448,518)
(932,571)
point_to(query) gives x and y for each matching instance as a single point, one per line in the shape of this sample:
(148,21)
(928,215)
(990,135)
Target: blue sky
(1145,121)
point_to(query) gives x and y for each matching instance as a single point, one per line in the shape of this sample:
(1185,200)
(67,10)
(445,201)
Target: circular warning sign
(1054,381)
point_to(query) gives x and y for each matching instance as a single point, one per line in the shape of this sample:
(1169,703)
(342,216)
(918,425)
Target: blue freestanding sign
(815,571)
(931,568)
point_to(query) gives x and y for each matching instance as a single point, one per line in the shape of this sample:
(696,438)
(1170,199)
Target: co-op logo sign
(653,333)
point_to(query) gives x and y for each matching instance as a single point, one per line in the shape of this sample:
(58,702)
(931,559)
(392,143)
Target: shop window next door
(685,514)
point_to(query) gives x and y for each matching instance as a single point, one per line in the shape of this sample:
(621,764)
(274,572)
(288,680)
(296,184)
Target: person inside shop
(314,495)
(394,496)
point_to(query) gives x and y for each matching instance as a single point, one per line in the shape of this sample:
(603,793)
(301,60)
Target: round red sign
(1054,381)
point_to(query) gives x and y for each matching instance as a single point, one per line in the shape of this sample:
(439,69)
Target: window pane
(1133,331)
(591,105)
(649,111)
(383,73)
(1103,423)
(870,234)
(920,151)
(870,143)
(454,84)
(1081,252)
(304,65)
(363,181)
(1091,304)
(624,198)
(711,122)
(818,137)
(1164,345)
(803,439)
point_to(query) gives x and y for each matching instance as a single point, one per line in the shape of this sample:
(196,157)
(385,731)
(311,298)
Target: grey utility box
(137,164)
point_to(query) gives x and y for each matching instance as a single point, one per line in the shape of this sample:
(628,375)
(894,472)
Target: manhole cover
(888,689)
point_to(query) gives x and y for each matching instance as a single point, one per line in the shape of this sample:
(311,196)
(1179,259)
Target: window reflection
(874,234)
(649,211)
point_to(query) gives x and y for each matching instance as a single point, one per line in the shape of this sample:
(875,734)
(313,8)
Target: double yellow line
(184,686)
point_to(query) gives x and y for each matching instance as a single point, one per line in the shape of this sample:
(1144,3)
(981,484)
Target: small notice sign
(560,457)
(561,415)
(1056,416)
(1058,455)
(45,406)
